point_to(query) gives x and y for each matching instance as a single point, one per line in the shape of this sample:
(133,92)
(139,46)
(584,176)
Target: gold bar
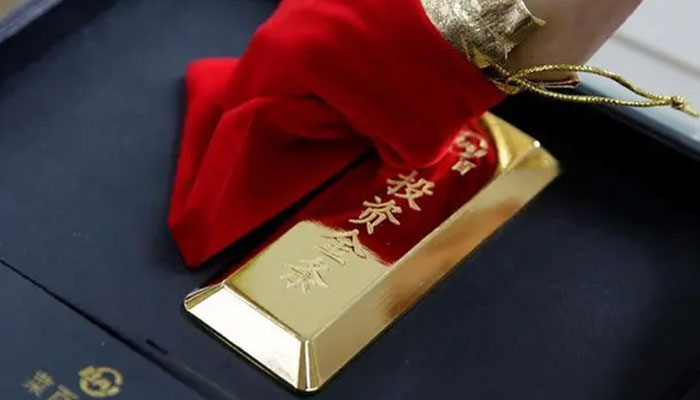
(304,334)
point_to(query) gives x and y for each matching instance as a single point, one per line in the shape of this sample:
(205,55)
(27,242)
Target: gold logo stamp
(100,382)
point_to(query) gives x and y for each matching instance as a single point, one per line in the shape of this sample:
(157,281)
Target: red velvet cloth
(321,83)
(341,203)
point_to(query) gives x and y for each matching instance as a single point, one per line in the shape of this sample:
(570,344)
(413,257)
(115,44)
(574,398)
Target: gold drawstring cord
(519,80)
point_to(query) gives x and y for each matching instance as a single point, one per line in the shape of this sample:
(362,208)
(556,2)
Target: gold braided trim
(518,81)
(485,31)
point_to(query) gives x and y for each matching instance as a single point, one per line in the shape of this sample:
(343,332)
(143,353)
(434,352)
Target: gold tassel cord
(519,80)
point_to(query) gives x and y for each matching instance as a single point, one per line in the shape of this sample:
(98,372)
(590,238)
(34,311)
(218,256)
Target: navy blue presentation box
(591,292)
(50,351)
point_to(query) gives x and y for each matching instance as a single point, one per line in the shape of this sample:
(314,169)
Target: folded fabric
(392,209)
(321,84)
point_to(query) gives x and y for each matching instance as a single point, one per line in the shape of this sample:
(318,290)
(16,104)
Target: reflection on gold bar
(303,322)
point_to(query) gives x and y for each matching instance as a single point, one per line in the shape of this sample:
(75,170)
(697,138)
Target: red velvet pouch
(321,84)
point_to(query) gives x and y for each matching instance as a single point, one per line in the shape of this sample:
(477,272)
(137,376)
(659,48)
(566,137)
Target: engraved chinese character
(100,382)
(469,151)
(39,383)
(63,393)
(307,275)
(376,213)
(463,166)
(341,243)
(407,187)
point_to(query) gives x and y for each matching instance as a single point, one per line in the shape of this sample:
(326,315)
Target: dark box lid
(591,292)
(48,348)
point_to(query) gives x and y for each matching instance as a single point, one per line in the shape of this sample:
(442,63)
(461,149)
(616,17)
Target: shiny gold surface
(485,31)
(304,337)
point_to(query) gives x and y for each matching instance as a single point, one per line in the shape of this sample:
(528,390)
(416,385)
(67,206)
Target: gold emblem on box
(313,299)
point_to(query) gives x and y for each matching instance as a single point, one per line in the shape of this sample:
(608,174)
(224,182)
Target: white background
(658,48)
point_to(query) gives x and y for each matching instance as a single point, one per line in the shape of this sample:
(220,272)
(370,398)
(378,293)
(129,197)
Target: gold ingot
(304,334)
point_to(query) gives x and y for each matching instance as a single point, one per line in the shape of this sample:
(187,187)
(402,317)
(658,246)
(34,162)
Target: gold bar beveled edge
(214,326)
(419,291)
(310,376)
